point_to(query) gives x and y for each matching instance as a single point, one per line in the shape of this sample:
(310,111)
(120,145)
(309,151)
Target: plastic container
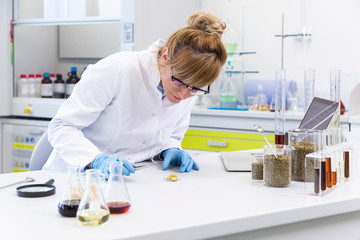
(38,79)
(32,91)
(277,169)
(22,86)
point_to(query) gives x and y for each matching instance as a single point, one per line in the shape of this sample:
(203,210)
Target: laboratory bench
(233,130)
(206,204)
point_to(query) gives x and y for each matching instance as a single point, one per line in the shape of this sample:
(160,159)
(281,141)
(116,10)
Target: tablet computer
(319,114)
(237,161)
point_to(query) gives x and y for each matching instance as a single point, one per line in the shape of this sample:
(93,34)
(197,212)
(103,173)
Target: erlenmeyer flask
(92,210)
(70,200)
(116,194)
(228,98)
(261,99)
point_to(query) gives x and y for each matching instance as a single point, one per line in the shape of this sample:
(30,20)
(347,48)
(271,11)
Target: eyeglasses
(193,90)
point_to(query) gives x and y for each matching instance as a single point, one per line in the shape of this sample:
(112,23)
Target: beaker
(70,199)
(277,169)
(116,194)
(257,165)
(280,106)
(309,87)
(304,141)
(93,210)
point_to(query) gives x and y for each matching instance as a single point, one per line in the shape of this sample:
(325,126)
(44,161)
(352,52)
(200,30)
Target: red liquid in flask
(279,139)
(118,207)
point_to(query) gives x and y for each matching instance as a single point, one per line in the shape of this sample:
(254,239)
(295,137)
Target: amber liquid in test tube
(347,164)
(323,175)
(328,172)
(333,178)
(316,180)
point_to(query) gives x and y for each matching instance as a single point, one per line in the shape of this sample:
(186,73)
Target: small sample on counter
(277,171)
(172,178)
(257,169)
(299,170)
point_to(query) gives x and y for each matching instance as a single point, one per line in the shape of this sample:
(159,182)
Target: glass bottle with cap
(46,86)
(116,194)
(59,87)
(70,199)
(93,210)
(71,81)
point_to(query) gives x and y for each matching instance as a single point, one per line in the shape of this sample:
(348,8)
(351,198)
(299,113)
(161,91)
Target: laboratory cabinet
(223,141)
(17,142)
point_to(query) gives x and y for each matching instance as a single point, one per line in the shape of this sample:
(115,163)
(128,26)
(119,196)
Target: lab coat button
(153,114)
(143,142)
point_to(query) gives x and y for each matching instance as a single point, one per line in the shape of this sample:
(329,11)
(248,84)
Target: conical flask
(92,210)
(116,194)
(70,200)
(228,98)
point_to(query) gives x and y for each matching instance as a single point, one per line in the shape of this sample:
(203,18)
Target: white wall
(156,19)
(334,42)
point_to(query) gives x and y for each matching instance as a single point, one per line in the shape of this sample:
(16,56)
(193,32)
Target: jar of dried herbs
(277,165)
(257,165)
(304,141)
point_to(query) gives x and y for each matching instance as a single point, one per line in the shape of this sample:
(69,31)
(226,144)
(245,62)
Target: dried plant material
(257,169)
(299,170)
(277,170)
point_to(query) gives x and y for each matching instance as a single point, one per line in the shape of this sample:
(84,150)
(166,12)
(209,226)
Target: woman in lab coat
(135,106)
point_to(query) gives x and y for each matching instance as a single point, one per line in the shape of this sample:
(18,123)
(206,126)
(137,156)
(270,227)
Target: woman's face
(173,93)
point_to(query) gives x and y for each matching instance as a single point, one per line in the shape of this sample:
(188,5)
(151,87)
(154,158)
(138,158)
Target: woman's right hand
(103,161)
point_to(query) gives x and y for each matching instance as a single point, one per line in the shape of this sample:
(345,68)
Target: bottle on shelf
(38,79)
(59,87)
(71,81)
(22,86)
(46,86)
(31,86)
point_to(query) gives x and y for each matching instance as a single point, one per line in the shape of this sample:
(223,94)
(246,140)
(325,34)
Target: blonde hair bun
(207,22)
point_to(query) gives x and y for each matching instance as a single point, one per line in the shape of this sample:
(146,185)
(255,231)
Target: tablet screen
(319,114)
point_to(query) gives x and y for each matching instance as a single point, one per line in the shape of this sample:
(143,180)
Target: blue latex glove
(103,161)
(177,157)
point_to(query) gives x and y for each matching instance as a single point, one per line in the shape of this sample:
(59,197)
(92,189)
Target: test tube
(335,96)
(309,84)
(280,106)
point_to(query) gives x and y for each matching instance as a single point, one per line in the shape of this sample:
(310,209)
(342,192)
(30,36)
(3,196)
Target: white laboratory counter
(210,203)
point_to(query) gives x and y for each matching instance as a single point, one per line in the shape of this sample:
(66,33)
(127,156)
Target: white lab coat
(117,109)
